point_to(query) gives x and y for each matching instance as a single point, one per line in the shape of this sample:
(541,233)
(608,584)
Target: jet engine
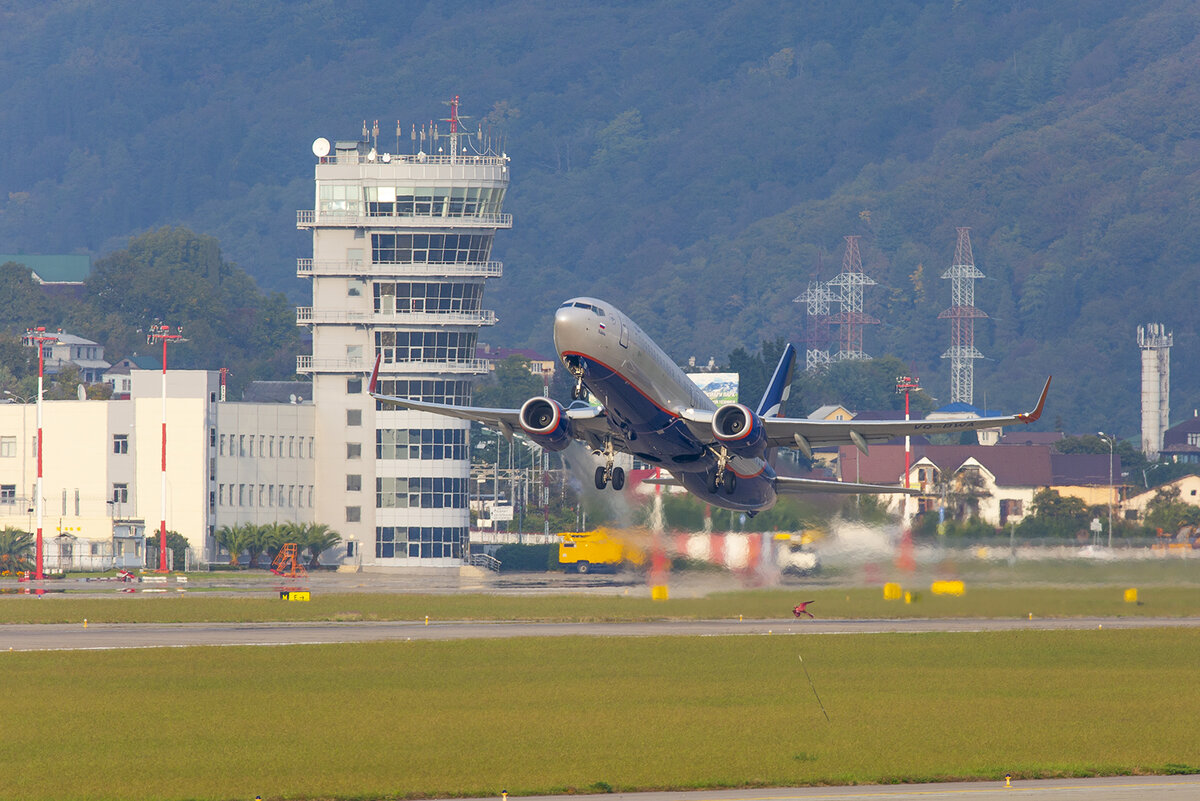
(546,424)
(740,430)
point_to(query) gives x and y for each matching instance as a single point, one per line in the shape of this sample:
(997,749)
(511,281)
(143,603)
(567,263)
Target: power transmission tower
(962,315)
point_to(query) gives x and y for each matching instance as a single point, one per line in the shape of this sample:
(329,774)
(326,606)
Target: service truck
(592,551)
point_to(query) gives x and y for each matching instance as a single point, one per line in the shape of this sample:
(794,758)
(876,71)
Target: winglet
(374,375)
(1030,417)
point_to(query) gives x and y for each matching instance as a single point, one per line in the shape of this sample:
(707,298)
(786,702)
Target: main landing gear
(722,476)
(607,472)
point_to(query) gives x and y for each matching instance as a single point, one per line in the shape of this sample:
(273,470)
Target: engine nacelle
(740,430)
(546,423)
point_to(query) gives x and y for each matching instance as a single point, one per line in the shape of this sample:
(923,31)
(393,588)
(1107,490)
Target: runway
(1113,788)
(102,636)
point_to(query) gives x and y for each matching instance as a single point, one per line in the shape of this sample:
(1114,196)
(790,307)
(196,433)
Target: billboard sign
(721,388)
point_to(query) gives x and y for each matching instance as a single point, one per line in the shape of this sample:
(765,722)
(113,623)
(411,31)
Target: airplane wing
(785,485)
(805,434)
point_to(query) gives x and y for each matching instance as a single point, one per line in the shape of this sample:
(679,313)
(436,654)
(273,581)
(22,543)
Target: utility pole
(1109,438)
(39,337)
(161,332)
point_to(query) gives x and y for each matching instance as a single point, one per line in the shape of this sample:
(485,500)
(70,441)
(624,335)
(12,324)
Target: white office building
(227,463)
(401,251)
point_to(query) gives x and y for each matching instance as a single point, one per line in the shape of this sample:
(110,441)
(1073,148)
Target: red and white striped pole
(39,337)
(162,333)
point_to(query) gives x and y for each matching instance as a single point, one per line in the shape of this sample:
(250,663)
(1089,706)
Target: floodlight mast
(161,332)
(38,337)
(907,384)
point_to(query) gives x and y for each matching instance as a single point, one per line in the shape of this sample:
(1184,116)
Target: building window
(431,390)
(425,346)
(212,437)
(354,287)
(271,495)
(353,514)
(8,446)
(120,443)
(353,483)
(241,444)
(212,500)
(354,417)
(241,494)
(353,386)
(291,495)
(291,447)
(120,493)
(416,443)
(221,494)
(353,450)
(8,493)
(221,450)
(427,296)
(420,493)
(262,445)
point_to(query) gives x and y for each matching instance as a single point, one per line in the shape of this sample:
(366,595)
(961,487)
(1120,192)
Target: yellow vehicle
(591,551)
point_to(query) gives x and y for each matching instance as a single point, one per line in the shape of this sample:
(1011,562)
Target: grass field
(1009,602)
(387,720)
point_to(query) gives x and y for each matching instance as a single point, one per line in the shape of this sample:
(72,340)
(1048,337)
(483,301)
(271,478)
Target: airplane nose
(569,325)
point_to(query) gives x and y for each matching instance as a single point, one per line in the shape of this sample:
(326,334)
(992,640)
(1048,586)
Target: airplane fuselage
(643,393)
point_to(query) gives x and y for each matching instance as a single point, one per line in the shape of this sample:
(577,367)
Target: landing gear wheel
(714,486)
(578,392)
(618,478)
(730,482)
(601,478)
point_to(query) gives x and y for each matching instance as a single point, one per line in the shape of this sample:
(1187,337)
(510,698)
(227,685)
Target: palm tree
(15,547)
(318,538)
(236,539)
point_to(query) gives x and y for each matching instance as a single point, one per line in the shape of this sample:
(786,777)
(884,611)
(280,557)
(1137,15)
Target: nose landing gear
(578,392)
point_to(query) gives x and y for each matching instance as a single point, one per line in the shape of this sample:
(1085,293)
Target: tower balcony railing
(459,159)
(307,315)
(306,268)
(310,218)
(309,364)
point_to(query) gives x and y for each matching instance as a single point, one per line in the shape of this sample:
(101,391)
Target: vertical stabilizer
(780,386)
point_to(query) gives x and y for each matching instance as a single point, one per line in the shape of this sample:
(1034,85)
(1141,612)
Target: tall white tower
(1155,343)
(401,250)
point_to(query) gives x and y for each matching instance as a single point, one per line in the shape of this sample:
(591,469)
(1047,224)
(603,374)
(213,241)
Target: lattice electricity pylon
(817,299)
(849,284)
(286,562)
(962,315)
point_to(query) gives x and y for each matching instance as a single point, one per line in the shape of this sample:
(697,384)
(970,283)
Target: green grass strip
(406,720)
(1002,602)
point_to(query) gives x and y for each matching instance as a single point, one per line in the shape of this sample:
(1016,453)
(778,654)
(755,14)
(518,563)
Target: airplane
(649,408)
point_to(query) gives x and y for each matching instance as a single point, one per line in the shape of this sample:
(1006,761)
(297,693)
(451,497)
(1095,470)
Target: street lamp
(39,337)
(161,332)
(1109,438)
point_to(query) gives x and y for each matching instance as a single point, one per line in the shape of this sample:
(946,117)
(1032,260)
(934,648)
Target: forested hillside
(696,163)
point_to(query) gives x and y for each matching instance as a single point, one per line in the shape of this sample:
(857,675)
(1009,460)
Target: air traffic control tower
(401,251)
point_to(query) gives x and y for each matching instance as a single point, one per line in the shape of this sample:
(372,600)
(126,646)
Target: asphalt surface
(99,636)
(1115,788)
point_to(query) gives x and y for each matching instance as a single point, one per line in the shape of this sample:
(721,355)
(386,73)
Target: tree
(509,386)
(317,538)
(177,544)
(16,546)
(1167,512)
(235,539)
(1055,516)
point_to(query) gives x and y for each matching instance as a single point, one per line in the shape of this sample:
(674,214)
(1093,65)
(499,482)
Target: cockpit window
(581,305)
